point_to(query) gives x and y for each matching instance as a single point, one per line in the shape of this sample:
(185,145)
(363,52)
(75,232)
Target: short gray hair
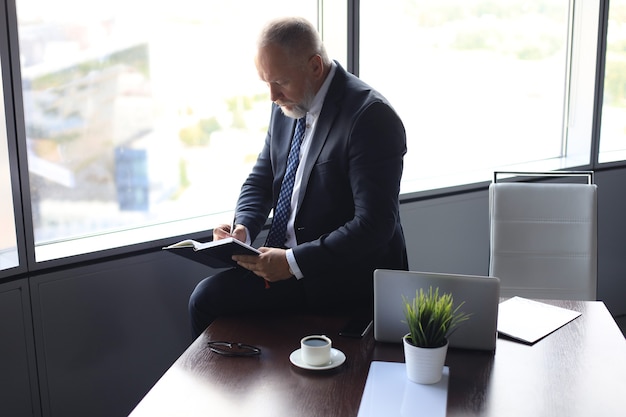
(296,35)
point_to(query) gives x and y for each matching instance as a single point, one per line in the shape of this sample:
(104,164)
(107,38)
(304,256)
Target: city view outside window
(613,130)
(479,84)
(140,112)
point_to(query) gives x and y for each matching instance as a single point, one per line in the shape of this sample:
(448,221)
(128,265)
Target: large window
(613,129)
(143,117)
(481,84)
(139,112)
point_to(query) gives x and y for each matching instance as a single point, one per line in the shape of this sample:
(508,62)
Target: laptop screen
(480,296)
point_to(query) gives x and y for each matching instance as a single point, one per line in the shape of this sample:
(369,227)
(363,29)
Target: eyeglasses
(233,349)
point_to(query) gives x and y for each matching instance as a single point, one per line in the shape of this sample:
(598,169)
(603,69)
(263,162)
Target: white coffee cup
(315,350)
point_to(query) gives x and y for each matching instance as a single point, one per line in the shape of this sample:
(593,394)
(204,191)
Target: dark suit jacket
(348,222)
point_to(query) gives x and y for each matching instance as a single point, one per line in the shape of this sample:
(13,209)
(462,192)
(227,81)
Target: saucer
(337,357)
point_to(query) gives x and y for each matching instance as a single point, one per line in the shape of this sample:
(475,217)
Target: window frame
(7,74)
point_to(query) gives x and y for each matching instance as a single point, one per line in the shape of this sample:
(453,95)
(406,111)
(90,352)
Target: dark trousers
(236,291)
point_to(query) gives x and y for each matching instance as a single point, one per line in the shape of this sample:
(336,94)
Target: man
(342,213)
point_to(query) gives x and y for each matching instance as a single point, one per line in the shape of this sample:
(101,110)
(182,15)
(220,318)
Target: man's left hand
(270,265)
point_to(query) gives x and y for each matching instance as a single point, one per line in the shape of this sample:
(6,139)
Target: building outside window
(140,115)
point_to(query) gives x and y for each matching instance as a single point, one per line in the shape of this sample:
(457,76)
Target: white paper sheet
(529,320)
(389,393)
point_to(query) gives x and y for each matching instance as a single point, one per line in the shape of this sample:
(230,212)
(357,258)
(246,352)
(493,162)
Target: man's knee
(210,297)
(201,309)
(206,291)
(194,300)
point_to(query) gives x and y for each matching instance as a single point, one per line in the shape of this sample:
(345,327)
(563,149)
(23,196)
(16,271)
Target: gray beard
(300,110)
(295,113)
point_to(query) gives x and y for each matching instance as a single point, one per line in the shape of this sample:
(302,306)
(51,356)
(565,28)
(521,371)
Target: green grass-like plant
(432,318)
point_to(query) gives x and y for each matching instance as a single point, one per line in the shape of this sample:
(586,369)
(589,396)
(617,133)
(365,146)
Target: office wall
(105,332)
(612,239)
(448,234)
(19,395)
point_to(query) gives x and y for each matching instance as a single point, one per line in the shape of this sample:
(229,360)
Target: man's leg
(237,291)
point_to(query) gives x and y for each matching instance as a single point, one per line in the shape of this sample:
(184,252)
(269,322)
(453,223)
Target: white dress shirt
(311,122)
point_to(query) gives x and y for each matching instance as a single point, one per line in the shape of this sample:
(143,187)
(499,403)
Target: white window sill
(441,180)
(119,239)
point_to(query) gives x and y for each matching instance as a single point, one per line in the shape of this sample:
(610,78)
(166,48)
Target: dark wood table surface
(579,370)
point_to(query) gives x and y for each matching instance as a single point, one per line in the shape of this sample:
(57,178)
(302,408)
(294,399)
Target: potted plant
(431,318)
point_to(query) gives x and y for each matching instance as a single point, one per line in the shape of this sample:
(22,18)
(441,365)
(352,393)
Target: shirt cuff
(293,265)
(248,240)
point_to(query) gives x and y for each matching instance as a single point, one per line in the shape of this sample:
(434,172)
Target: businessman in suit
(342,212)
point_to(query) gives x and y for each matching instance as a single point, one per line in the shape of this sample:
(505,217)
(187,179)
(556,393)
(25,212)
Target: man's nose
(275,93)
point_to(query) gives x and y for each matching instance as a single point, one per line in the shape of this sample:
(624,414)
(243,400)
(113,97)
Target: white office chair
(543,237)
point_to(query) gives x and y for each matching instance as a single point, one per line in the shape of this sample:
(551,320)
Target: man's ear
(316,65)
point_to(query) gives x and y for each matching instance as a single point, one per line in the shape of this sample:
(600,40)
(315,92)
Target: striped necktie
(278,231)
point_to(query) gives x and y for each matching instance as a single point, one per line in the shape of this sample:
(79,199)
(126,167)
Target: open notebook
(529,321)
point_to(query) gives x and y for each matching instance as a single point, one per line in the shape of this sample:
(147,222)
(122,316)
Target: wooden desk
(580,370)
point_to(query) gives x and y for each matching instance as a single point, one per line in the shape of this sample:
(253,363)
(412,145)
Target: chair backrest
(543,239)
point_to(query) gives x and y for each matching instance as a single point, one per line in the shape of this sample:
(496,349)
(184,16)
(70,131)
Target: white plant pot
(424,365)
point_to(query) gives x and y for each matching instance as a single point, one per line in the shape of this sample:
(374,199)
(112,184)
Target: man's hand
(223,231)
(271,264)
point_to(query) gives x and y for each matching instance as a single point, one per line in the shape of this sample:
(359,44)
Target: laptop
(480,294)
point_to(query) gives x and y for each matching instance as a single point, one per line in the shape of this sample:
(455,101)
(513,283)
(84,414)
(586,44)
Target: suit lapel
(327,116)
